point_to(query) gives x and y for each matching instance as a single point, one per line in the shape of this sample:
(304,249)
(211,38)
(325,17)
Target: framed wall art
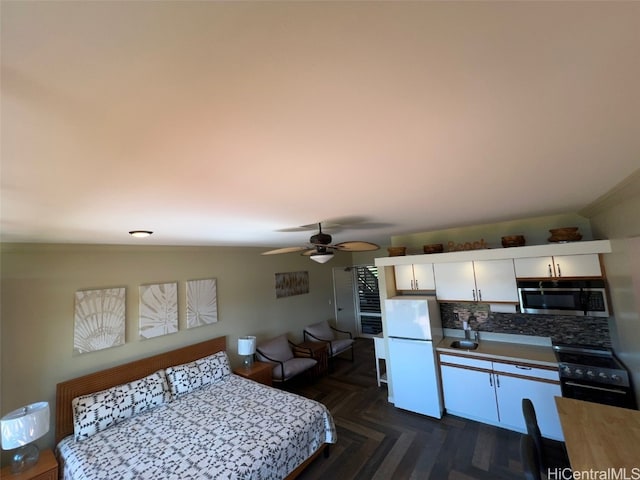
(292,283)
(99,320)
(202,302)
(158,309)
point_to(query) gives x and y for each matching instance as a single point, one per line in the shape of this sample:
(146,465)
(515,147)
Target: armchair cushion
(277,348)
(339,346)
(285,364)
(292,367)
(321,330)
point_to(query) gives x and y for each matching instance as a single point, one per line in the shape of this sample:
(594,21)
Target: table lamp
(247,347)
(20,428)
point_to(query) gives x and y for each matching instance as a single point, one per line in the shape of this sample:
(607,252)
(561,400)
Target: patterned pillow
(190,376)
(98,411)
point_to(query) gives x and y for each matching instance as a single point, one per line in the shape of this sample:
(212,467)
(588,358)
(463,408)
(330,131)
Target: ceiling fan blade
(284,250)
(356,246)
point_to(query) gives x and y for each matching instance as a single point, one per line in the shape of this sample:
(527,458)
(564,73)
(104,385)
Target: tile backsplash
(561,328)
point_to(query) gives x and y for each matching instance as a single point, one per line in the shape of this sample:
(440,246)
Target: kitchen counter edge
(505,351)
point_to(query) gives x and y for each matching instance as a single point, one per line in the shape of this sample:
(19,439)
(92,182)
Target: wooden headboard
(94,382)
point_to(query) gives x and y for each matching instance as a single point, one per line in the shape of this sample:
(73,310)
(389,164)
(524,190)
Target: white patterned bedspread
(234,429)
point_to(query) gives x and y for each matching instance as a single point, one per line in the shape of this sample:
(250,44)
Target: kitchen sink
(464,344)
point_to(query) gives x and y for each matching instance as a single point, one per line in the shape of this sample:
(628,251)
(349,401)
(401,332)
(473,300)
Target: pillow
(100,410)
(190,376)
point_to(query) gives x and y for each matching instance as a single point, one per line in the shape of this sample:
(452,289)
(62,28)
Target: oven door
(598,393)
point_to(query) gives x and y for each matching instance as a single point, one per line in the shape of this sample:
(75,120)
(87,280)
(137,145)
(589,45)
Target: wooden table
(599,437)
(319,351)
(45,469)
(260,372)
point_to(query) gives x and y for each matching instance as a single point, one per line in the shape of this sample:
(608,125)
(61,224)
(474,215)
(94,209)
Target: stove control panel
(594,374)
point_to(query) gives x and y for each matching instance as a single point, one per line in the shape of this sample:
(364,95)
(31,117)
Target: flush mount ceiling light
(140,233)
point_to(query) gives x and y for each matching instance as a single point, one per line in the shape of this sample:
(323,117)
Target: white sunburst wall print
(158,309)
(99,320)
(202,302)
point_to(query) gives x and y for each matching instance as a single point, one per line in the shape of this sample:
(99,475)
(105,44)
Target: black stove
(593,374)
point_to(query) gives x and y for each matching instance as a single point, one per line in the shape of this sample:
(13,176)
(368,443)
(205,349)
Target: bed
(184,415)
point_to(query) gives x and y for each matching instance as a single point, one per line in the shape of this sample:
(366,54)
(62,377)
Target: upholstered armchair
(282,353)
(338,341)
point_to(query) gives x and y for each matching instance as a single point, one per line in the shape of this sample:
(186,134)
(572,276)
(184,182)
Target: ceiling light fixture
(321,257)
(140,233)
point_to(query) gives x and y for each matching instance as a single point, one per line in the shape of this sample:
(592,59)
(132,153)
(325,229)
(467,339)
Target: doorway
(357,300)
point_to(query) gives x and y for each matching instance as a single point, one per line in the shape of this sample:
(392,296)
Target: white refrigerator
(414,328)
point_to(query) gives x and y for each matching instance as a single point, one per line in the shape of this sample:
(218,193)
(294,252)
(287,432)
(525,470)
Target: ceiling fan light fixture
(321,257)
(140,233)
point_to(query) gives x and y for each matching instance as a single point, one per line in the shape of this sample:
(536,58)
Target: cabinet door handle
(473,294)
(559,272)
(412,288)
(550,272)
(523,368)
(479,295)
(497,380)
(491,379)
(417,286)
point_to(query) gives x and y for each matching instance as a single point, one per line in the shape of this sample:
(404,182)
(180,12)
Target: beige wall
(37,306)
(616,217)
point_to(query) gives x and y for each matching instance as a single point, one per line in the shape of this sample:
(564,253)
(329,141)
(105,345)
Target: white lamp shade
(24,425)
(247,345)
(321,257)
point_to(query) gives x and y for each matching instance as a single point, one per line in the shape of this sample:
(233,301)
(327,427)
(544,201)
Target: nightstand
(319,351)
(45,469)
(258,372)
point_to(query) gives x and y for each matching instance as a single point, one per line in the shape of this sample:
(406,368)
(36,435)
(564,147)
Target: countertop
(600,437)
(493,350)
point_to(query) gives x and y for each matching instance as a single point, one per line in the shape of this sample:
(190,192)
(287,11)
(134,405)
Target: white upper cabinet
(415,277)
(558,266)
(455,281)
(479,281)
(496,280)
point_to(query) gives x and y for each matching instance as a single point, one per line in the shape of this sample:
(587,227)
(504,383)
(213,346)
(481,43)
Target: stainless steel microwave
(564,297)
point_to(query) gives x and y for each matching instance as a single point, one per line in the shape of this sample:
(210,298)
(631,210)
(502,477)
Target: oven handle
(579,385)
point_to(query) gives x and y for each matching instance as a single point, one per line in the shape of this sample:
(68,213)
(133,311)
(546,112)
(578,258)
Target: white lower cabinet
(511,390)
(469,394)
(492,392)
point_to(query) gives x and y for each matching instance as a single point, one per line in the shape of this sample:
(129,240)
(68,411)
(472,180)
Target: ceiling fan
(321,250)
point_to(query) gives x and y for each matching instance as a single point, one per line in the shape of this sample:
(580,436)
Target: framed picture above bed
(99,320)
(202,302)
(158,309)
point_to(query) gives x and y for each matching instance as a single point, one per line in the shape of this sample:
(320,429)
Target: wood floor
(378,441)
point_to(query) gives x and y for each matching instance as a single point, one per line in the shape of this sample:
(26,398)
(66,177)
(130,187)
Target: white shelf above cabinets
(550,250)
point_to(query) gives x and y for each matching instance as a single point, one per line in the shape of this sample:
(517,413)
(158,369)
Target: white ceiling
(223,123)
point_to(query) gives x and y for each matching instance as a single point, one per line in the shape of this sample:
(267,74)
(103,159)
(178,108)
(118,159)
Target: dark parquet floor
(378,441)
